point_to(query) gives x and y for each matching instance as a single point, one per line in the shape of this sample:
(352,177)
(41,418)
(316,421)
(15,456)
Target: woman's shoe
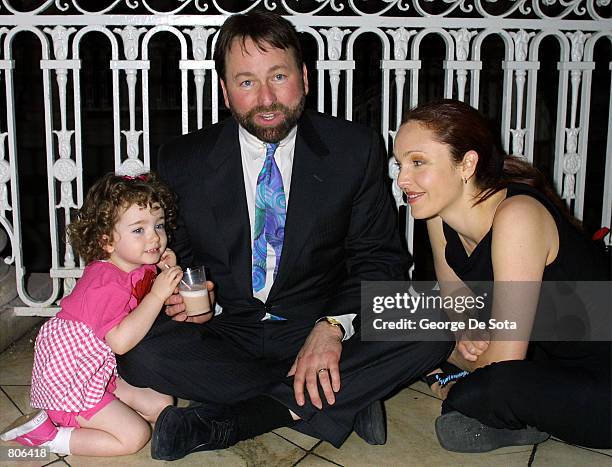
(459,433)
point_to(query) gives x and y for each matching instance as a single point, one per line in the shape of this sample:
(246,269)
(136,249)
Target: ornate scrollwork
(577,39)
(571,163)
(476,8)
(225,11)
(60,36)
(199,40)
(462,42)
(66,200)
(131,167)
(132,138)
(5,168)
(323,4)
(521,6)
(518,141)
(402,5)
(63,141)
(398,194)
(4,199)
(454,4)
(130,36)
(570,6)
(400,42)
(65,170)
(334,38)
(521,44)
(5,177)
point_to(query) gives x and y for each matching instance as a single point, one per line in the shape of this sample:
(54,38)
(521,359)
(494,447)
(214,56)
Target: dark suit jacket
(340,228)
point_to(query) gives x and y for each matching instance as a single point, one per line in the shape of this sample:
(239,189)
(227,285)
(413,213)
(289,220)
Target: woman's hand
(472,344)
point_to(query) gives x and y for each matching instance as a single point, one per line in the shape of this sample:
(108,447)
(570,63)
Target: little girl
(87,410)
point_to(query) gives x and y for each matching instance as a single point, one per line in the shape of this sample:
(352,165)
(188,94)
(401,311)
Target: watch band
(334,322)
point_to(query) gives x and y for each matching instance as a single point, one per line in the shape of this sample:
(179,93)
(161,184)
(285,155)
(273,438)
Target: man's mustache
(263,109)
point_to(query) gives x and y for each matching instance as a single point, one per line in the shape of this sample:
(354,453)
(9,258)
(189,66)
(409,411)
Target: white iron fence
(396,30)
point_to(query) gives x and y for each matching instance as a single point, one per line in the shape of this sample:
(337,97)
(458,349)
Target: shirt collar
(257,148)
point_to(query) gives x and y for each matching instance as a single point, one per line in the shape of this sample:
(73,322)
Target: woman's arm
(525,240)
(469,345)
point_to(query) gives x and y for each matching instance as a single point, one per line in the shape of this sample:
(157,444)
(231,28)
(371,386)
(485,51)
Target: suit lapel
(228,199)
(309,184)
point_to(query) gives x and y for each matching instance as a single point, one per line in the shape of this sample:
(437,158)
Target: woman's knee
(485,387)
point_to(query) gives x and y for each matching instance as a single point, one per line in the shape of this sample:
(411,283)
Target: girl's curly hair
(104,202)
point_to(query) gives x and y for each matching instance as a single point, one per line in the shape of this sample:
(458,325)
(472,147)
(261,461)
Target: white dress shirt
(253,153)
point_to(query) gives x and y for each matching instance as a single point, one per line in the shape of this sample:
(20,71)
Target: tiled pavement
(411,439)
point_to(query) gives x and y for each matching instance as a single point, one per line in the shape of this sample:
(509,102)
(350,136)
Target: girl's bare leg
(145,401)
(115,430)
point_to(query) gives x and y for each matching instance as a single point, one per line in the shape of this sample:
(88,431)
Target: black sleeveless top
(577,260)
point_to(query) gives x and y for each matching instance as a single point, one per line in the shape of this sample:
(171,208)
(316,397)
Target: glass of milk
(194,292)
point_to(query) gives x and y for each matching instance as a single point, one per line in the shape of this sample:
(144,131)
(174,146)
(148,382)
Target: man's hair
(264,28)
(104,203)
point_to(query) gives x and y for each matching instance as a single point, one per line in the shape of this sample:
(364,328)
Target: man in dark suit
(290,211)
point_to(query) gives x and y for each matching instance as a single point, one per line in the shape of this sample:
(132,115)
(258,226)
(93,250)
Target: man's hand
(175,307)
(318,360)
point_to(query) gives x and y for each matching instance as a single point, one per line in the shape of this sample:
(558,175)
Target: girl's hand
(166,282)
(167,259)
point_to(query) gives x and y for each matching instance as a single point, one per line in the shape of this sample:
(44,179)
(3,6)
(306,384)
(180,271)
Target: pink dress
(73,365)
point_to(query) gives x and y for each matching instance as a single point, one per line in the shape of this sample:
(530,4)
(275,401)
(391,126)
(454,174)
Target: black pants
(572,403)
(232,359)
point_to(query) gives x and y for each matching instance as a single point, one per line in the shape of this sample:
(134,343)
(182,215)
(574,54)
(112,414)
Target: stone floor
(411,439)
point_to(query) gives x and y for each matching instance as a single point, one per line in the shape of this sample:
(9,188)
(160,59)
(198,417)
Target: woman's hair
(462,128)
(104,202)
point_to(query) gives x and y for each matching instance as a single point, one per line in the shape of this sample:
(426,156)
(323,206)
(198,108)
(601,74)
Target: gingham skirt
(72,367)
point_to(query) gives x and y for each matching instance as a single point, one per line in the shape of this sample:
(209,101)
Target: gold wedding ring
(321,369)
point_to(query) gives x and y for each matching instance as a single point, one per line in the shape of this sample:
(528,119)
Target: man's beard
(271,134)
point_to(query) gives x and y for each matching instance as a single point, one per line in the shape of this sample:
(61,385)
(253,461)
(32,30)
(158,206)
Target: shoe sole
(23,425)
(459,433)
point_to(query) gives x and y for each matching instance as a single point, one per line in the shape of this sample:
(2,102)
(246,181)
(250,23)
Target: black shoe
(371,425)
(459,433)
(182,431)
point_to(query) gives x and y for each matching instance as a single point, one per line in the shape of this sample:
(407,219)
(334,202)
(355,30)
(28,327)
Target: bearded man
(289,210)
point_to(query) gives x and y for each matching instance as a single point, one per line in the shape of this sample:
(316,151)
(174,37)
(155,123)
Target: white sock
(61,443)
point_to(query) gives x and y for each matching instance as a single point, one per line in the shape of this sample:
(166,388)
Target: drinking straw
(182,281)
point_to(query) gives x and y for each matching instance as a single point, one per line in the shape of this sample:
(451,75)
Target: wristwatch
(334,322)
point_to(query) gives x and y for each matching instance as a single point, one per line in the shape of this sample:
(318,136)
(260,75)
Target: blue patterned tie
(270,214)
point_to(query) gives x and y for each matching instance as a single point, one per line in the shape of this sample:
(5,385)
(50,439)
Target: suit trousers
(572,403)
(233,358)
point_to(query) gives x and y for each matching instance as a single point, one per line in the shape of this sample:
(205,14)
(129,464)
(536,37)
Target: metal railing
(396,29)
